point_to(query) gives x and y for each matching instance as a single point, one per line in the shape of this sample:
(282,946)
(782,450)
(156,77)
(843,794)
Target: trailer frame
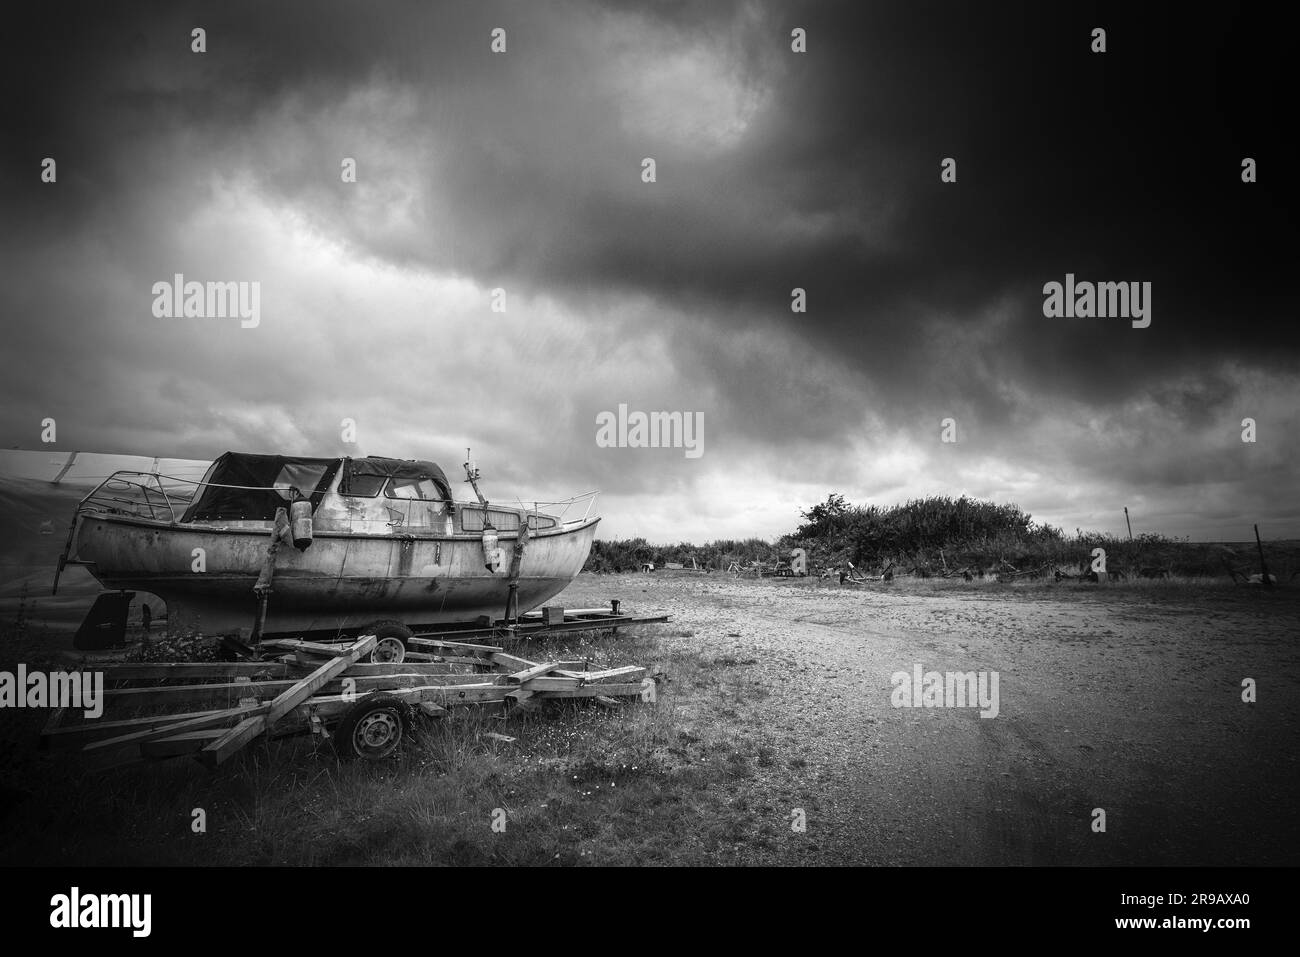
(291,686)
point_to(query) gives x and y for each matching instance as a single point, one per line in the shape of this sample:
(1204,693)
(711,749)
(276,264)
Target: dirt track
(1121,698)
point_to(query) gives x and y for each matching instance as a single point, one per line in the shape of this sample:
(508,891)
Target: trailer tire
(373,728)
(390,641)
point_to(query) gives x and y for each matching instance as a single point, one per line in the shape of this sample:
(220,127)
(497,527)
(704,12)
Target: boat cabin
(371,495)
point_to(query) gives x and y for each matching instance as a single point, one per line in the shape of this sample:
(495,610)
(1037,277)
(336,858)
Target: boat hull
(341,581)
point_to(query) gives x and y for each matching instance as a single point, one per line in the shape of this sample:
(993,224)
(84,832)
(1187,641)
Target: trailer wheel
(390,641)
(373,728)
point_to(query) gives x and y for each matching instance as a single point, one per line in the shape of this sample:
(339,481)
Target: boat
(283,544)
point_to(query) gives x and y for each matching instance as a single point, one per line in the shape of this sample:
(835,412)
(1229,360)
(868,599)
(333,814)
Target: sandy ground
(1124,698)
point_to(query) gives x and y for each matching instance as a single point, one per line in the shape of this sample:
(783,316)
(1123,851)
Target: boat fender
(491,553)
(300,514)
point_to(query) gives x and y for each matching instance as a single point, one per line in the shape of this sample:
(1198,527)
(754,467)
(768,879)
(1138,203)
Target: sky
(522,171)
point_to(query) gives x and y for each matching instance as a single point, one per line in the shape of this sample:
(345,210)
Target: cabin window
(423,489)
(471,519)
(303,477)
(363,486)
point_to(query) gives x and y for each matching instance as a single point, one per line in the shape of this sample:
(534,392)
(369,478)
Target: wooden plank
(607,675)
(451,645)
(467,694)
(227,693)
(330,706)
(536,671)
(179,744)
(215,752)
(432,710)
(521,699)
(327,649)
(509,662)
(366,668)
(148,671)
(318,679)
(594,691)
(73,735)
(198,694)
(551,683)
(216,718)
(221,749)
(606,612)
(391,682)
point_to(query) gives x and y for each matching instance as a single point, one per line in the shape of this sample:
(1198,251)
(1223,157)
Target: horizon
(35,465)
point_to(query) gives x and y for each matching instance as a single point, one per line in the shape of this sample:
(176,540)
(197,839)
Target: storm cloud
(522,171)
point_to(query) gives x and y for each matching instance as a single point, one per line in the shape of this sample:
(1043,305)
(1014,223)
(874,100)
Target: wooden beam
(536,671)
(366,668)
(231,741)
(179,744)
(214,719)
(521,698)
(234,739)
(148,671)
(73,735)
(451,645)
(326,649)
(197,695)
(226,693)
(502,660)
(595,676)
(594,691)
(329,706)
(551,683)
(466,694)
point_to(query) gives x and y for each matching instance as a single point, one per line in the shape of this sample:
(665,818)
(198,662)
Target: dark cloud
(775,170)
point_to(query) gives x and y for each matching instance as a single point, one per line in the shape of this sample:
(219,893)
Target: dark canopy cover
(263,483)
(367,476)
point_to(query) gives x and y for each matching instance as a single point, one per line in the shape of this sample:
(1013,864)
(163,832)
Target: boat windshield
(424,489)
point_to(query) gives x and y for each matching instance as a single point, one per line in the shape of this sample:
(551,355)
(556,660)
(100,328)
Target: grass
(640,784)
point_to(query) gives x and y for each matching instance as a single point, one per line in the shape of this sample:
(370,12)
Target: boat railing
(565,505)
(140,494)
(152,495)
(159,497)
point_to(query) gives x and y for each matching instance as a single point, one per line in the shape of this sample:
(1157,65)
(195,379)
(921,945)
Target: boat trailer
(365,708)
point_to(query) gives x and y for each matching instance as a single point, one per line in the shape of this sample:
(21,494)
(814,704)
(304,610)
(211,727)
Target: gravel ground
(1124,698)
